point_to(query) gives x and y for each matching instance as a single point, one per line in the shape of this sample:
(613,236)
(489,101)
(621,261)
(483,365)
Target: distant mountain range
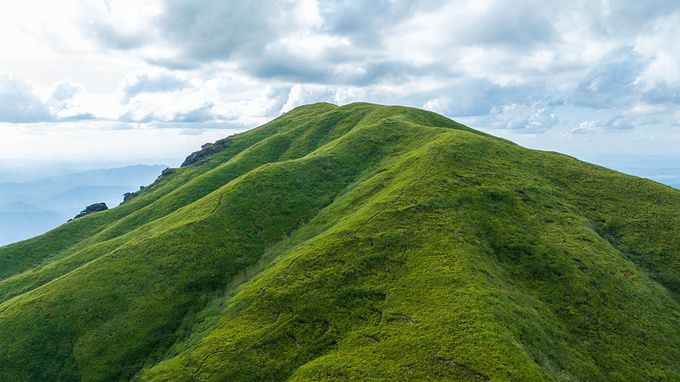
(30,208)
(663,169)
(355,243)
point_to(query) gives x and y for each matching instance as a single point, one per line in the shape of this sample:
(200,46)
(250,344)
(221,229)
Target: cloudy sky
(150,80)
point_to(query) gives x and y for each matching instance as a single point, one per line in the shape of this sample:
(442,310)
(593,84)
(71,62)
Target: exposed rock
(128,196)
(207,150)
(92,208)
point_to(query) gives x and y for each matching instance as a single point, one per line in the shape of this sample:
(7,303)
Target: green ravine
(356,243)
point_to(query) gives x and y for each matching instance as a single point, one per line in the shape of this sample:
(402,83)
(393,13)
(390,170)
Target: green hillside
(356,243)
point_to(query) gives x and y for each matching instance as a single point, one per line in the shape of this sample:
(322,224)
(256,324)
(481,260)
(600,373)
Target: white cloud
(676,119)
(603,67)
(612,83)
(661,46)
(612,124)
(159,81)
(70,101)
(590,127)
(434,105)
(642,109)
(522,118)
(35,28)
(19,102)
(120,24)
(302,94)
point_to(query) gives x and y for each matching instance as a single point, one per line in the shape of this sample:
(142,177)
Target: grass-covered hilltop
(356,243)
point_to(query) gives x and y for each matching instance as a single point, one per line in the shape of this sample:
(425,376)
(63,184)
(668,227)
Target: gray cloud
(612,123)
(632,16)
(289,68)
(513,63)
(202,114)
(64,91)
(216,30)
(517,24)
(609,68)
(527,119)
(675,119)
(60,102)
(98,24)
(136,117)
(253,35)
(146,83)
(618,123)
(19,103)
(108,35)
(249,31)
(79,117)
(661,94)
(366,23)
(293,68)
(612,83)
(479,97)
(587,128)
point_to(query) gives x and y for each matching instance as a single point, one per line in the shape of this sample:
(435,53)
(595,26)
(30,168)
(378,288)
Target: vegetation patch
(360,242)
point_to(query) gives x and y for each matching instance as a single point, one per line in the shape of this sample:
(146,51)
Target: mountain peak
(356,242)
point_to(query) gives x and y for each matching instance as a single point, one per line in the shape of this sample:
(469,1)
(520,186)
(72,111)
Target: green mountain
(356,243)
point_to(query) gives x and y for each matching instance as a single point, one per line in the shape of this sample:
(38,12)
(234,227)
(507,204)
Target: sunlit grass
(356,243)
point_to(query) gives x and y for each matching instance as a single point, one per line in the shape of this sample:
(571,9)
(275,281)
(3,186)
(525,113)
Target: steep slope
(360,242)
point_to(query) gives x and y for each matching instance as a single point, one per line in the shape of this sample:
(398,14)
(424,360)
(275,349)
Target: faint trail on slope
(410,321)
(372,338)
(219,203)
(297,344)
(381,210)
(460,365)
(288,268)
(401,192)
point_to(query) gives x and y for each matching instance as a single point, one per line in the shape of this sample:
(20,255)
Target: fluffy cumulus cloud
(525,67)
(609,124)
(22,102)
(66,102)
(472,56)
(19,103)
(522,119)
(587,128)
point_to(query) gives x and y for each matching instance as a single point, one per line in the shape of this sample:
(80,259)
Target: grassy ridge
(359,242)
(506,281)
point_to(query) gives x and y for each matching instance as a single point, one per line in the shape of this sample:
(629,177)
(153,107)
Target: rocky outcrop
(92,208)
(131,195)
(207,150)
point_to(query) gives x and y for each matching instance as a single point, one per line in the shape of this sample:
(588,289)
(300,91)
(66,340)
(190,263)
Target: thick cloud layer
(524,67)
(597,51)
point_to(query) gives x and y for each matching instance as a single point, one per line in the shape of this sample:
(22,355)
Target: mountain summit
(356,243)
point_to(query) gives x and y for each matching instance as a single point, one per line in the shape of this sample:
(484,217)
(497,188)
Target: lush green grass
(360,242)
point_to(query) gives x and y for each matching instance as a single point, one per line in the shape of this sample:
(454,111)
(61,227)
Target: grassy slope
(360,242)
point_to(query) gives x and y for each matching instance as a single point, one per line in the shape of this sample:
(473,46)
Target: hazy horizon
(147,81)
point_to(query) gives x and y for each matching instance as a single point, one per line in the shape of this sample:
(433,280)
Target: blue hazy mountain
(659,168)
(29,208)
